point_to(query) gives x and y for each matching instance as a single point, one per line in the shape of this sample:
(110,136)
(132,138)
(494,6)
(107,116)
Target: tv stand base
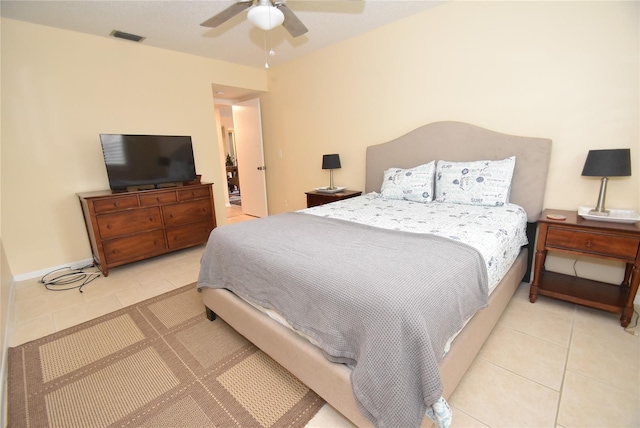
(139,188)
(154,186)
(163,185)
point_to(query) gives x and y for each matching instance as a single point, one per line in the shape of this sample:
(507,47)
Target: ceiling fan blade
(227,14)
(291,23)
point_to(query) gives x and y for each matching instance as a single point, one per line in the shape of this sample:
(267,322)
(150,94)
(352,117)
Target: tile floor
(548,364)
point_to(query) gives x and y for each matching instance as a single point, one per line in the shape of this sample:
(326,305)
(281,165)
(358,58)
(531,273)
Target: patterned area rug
(159,363)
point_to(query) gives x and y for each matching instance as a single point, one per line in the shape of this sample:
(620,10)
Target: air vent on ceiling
(127,36)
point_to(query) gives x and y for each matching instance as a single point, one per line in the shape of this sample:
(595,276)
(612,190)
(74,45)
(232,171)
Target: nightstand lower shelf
(586,292)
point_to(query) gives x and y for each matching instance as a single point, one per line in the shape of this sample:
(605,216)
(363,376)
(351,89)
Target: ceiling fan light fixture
(265,17)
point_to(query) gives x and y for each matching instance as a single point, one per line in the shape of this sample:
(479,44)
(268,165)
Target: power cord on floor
(66,275)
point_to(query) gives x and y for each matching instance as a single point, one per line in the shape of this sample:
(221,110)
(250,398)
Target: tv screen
(143,160)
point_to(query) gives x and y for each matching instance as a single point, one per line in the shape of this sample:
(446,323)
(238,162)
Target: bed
(453,142)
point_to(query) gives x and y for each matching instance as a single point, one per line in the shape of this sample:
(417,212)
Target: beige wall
(60,89)
(561,70)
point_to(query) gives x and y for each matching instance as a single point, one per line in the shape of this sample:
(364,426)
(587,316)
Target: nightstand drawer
(315,198)
(593,243)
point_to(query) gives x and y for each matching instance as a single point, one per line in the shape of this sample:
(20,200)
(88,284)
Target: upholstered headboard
(456,141)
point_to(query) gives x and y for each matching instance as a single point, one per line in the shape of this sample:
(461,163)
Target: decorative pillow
(414,184)
(475,183)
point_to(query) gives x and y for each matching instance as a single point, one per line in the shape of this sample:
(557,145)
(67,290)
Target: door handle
(262,168)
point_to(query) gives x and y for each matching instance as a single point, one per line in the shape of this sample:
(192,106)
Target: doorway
(225,124)
(242,156)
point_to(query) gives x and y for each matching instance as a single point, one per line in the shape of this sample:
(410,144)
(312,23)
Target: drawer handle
(172,216)
(589,244)
(116,204)
(151,219)
(158,199)
(109,226)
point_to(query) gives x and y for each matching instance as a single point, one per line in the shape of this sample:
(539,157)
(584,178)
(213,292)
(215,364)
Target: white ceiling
(175,24)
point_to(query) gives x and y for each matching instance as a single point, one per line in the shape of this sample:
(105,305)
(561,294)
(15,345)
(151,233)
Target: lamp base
(329,190)
(603,213)
(599,209)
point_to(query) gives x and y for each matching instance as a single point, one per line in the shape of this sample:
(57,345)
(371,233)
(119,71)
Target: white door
(250,157)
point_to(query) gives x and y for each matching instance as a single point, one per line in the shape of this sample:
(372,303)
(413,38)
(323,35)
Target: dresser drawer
(130,221)
(114,204)
(189,234)
(187,212)
(593,243)
(135,247)
(188,194)
(158,198)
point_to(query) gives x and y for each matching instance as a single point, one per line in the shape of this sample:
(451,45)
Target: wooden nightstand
(315,198)
(607,240)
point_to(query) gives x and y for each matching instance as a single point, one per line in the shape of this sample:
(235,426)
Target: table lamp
(331,162)
(606,163)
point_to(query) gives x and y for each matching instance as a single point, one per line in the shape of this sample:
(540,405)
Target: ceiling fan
(266,14)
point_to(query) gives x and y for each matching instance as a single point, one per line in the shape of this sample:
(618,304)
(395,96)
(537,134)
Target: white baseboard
(40,273)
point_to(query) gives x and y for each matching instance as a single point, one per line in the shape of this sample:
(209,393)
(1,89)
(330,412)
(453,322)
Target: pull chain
(271,51)
(266,58)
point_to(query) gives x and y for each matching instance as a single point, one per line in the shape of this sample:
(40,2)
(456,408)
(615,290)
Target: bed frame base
(331,381)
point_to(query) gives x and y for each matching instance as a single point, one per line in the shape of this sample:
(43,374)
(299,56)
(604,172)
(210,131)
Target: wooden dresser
(125,227)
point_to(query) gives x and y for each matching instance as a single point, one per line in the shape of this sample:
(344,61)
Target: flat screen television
(147,160)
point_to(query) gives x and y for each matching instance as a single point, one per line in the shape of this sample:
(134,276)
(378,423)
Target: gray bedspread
(384,302)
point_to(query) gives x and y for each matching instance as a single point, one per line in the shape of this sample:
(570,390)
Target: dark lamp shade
(608,163)
(331,161)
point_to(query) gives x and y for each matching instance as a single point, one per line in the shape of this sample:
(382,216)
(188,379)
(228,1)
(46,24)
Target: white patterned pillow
(475,183)
(414,184)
